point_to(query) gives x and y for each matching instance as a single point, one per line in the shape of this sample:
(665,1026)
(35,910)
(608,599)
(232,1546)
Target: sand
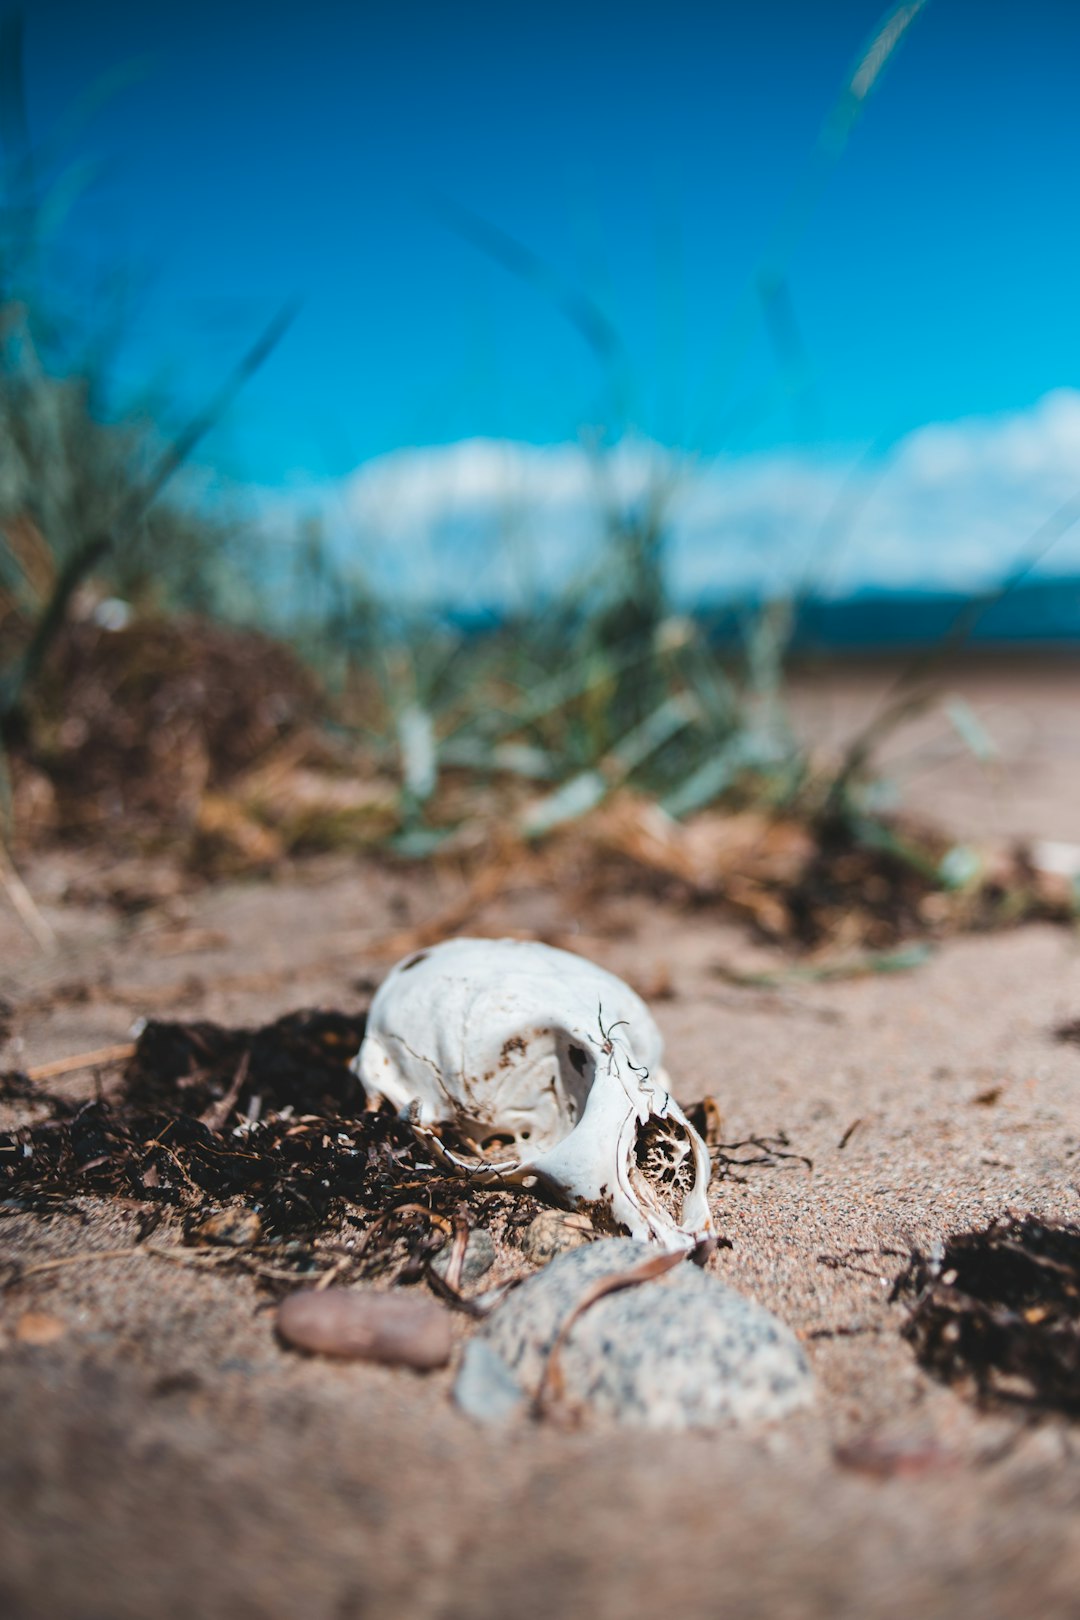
(164,1456)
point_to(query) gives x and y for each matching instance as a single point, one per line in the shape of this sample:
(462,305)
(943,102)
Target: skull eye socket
(578,1057)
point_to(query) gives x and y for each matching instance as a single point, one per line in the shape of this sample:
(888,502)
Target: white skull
(551,1059)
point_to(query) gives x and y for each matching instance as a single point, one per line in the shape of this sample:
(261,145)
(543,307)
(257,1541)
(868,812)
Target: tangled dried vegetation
(998,1311)
(258,1142)
(258,1146)
(215,749)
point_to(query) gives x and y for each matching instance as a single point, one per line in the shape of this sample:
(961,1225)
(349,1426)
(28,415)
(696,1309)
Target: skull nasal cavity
(664,1163)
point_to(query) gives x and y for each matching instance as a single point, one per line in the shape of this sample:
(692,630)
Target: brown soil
(165,1456)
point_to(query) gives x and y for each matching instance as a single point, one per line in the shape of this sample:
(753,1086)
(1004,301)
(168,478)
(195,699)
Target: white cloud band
(489,523)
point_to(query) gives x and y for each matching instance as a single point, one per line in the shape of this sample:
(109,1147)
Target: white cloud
(953,506)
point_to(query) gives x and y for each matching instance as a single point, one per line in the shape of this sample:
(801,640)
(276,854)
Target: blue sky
(277,151)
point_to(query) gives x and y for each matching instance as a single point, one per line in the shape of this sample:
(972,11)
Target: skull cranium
(552,1062)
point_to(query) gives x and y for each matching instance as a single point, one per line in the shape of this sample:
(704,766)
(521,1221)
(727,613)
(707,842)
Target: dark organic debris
(883,883)
(847,1260)
(1000,1310)
(301,1062)
(766,1152)
(262,1141)
(131,726)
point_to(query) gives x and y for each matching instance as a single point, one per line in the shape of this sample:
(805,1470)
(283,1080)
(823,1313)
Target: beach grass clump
(594,725)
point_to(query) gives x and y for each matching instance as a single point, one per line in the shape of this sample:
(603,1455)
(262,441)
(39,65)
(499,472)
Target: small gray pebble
(479,1256)
(365,1325)
(485,1388)
(681,1351)
(552,1232)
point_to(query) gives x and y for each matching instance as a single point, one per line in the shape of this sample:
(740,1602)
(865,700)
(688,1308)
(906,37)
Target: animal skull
(555,1062)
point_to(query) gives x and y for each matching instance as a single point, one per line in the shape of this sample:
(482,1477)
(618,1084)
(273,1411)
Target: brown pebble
(882,1458)
(38,1327)
(396,1329)
(233,1228)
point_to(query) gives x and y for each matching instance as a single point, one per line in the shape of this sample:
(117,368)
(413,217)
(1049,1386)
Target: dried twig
(848,1134)
(24,905)
(218,1112)
(103,1057)
(78,1260)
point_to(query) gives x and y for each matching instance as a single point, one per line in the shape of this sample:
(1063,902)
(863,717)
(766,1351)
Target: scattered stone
(399,1330)
(553,1232)
(479,1258)
(677,1352)
(485,1387)
(888,1457)
(39,1327)
(232,1228)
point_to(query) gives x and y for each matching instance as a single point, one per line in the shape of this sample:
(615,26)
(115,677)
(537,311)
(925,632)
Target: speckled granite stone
(479,1256)
(681,1351)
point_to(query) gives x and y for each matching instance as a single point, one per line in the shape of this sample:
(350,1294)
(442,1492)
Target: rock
(552,1232)
(681,1351)
(39,1327)
(232,1228)
(485,1387)
(363,1324)
(480,1256)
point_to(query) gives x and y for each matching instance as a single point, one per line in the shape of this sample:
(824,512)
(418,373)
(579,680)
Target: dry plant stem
(103,1057)
(24,905)
(215,1116)
(334,1272)
(457,1254)
(214,1262)
(712,1122)
(178,1257)
(80,1259)
(451,1297)
(551,1391)
(848,1134)
(399,1209)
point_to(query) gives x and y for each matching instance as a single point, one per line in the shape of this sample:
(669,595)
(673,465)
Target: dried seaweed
(767,1152)
(300,1061)
(1068,1033)
(270,1121)
(999,1310)
(130,728)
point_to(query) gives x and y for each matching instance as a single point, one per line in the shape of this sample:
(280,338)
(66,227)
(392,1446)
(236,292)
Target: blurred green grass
(599,689)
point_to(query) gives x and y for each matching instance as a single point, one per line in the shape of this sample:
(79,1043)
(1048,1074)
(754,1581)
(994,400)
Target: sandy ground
(164,1456)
